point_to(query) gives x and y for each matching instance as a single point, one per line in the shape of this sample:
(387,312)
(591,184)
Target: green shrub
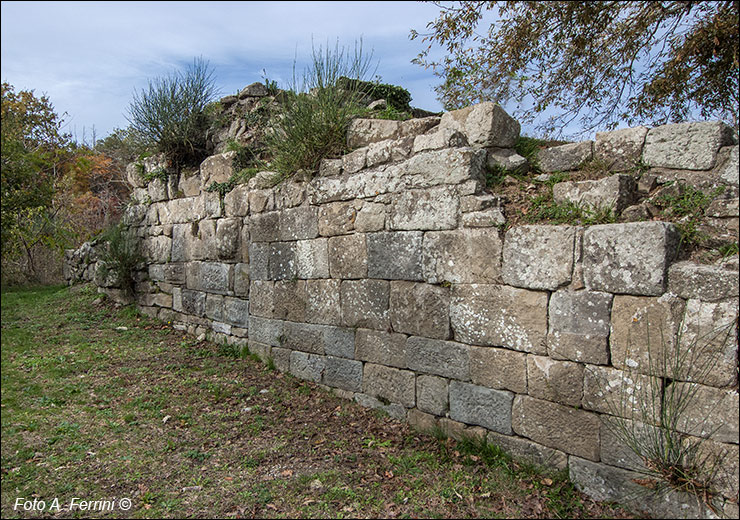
(397,97)
(120,255)
(171,113)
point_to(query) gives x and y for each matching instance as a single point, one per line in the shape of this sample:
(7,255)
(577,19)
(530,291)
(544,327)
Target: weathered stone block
(710,411)
(192,302)
(614,451)
(157,190)
(362,132)
(307,366)
(686,146)
(499,368)
(485,407)
(492,217)
(385,348)
(485,125)
(432,394)
(289,299)
(615,192)
(228,232)
(266,331)
(729,169)
(538,257)
(259,260)
(190,184)
(365,303)
(435,208)
(394,410)
(261,301)
(564,428)
(282,263)
(217,168)
(322,301)
(557,381)
(348,256)
(337,218)
(215,307)
(368,183)
(264,227)
(379,153)
(708,283)
(442,138)
(565,157)
(339,342)
(330,167)
(209,276)
(620,149)
(579,326)
(343,373)
(462,256)
(442,358)
(438,167)
(261,200)
(630,258)
(395,256)
(299,223)
(157,249)
(241,279)
(420,309)
(370,218)
(508,160)
(420,421)
(236,311)
(397,386)
(621,393)
(499,315)
(236,202)
(355,161)
(526,450)
(303,337)
(312,259)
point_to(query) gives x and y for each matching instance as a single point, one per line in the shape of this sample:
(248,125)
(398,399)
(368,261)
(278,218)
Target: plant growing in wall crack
(120,256)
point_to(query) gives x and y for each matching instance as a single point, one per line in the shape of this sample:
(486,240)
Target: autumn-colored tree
(601,62)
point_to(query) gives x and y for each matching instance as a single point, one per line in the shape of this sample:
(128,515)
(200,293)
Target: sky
(90,57)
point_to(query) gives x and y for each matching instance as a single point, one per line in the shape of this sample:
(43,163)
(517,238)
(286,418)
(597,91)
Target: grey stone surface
(708,283)
(337,218)
(395,256)
(208,276)
(499,368)
(394,410)
(304,337)
(442,358)
(339,342)
(192,302)
(262,298)
(312,258)
(630,258)
(442,138)
(355,161)
(615,192)
(462,256)
(687,146)
(538,257)
(362,132)
(620,149)
(289,300)
(420,309)
(348,256)
(370,218)
(564,428)
(622,393)
(579,326)
(241,280)
(261,200)
(710,411)
(565,157)
(531,452)
(485,125)
(322,301)
(385,348)
(266,331)
(365,303)
(307,366)
(430,209)
(282,263)
(228,243)
(264,227)
(432,394)
(729,168)
(498,315)
(259,260)
(236,311)
(397,386)
(439,167)
(343,373)
(299,223)
(217,168)
(485,407)
(492,217)
(236,202)
(214,306)
(557,381)
(508,160)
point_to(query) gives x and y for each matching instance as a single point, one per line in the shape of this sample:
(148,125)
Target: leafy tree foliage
(603,62)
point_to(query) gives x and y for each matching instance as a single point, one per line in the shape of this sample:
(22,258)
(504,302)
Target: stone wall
(391,277)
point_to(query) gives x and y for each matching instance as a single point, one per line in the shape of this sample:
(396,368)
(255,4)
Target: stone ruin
(391,278)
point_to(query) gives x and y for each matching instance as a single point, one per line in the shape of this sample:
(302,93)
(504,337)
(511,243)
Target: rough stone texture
(343,373)
(579,326)
(526,450)
(614,451)
(190,184)
(728,170)
(217,168)
(339,342)
(462,256)
(644,332)
(630,258)
(304,337)
(708,283)
(709,340)
(370,218)
(564,428)
(565,157)
(420,309)
(394,410)
(538,257)
(484,219)
(620,149)
(483,406)
(261,302)
(557,381)
(322,301)
(228,242)
(499,315)
(395,256)
(307,366)
(299,223)
(397,386)
(214,306)
(355,161)
(348,256)
(423,422)
(337,218)
(264,227)
(499,368)
(430,209)
(259,260)
(208,276)
(365,303)
(191,302)
(362,132)
(236,311)
(312,259)
(442,138)
(450,166)
(485,125)
(282,261)
(622,393)
(289,300)
(615,192)
(266,331)
(686,146)
(236,202)
(241,279)
(437,357)
(432,394)
(385,348)
(261,200)
(508,160)
(710,411)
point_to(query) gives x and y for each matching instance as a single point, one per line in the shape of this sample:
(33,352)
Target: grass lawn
(101,403)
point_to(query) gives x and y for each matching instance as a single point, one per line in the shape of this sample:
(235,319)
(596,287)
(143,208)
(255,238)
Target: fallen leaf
(546,481)
(287,473)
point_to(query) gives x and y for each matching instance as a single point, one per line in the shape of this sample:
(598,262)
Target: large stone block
(303,337)
(209,276)
(620,149)
(557,381)
(339,342)
(538,257)
(499,315)
(362,132)
(343,373)
(395,255)
(322,302)
(365,303)
(442,138)
(348,256)
(261,298)
(622,393)
(289,300)
(190,184)
(215,307)
(729,169)
(236,311)
(420,309)
(615,192)
(432,394)
(299,223)
(282,263)
(565,157)
(157,190)
(307,366)
(217,168)
(228,240)
(526,450)
(368,183)
(384,348)
(709,412)
(708,283)
(499,368)
(437,357)
(241,279)
(337,218)
(482,406)
(579,326)
(157,249)
(312,258)
(264,227)
(431,209)
(485,125)
(266,331)
(396,386)
(629,258)
(564,428)
(686,146)
(259,260)
(236,202)
(370,218)
(192,302)
(439,167)
(462,256)
(261,200)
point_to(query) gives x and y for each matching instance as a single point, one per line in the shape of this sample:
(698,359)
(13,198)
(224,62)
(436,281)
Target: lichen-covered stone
(431,209)
(622,393)
(312,258)
(485,125)
(485,407)
(348,256)
(395,256)
(228,243)
(208,276)
(579,326)
(370,218)
(362,132)
(304,337)
(615,192)
(397,386)
(322,301)
(442,358)
(565,157)
(289,300)
(236,311)
(420,309)
(686,146)
(236,202)
(620,149)
(385,348)
(557,381)
(264,227)
(282,261)
(538,257)
(217,168)
(439,167)
(307,366)
(261,301)
(462,256)
(337,218)
(365,303)
(299,223)
(708,283)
